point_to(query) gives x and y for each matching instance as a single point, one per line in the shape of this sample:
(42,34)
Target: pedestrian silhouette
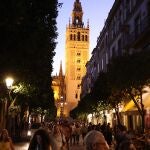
(5,141)
(41,141)
(94,140)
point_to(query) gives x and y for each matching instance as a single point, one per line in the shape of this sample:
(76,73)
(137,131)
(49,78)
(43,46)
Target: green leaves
(28,33)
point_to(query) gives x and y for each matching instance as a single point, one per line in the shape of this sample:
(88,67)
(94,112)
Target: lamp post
(9,82)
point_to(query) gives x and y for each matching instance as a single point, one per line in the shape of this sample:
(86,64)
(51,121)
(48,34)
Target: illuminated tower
(77,55)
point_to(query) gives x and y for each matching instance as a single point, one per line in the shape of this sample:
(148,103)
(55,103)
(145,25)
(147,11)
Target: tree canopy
(124,80)
(27,33)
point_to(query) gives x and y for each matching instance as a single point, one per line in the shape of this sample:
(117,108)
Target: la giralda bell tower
(76,55)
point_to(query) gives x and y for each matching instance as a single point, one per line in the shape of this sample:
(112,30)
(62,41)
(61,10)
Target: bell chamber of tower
(76,55)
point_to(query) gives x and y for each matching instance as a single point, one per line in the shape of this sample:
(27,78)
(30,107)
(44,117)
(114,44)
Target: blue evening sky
(94,10)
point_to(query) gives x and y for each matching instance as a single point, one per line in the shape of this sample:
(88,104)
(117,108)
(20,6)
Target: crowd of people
(62,135)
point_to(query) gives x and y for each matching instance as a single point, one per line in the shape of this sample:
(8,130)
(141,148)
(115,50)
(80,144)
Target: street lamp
(9,82)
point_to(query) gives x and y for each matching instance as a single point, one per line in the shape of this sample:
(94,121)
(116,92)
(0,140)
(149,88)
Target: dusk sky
(94,10)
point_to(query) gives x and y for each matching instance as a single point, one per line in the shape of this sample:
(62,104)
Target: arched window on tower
(76,95)
(86,38)
(82,37)
(74,37)
(78,77)
(78,36)
(70,36)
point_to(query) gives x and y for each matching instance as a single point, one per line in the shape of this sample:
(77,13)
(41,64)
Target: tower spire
(77,14)
(60,69)
(88,23)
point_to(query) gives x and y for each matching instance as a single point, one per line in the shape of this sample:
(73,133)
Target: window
(137,24)
(78,77)
(82,37)
(106,58)
(78,69)
(78,54)
(78,86)
(76,95)
(85,37)
(70,36)
(102,64)
(119,48)
(106,40)
(78,61)
(78,36)
(113,52)
(74,37)
(127,8)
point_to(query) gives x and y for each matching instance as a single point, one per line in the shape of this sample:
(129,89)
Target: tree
(101,88)
(106,94)
(28,33)
(130,74)
(84,107)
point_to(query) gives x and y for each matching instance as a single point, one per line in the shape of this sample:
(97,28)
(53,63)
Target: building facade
(77,55)
(58,86)
(126,30)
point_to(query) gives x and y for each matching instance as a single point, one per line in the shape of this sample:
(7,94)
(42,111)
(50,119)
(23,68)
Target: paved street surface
(24,146)
(21,146)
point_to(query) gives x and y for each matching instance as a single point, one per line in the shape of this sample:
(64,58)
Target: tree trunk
(140,107)
(143,122)
(143,113)
(118,116)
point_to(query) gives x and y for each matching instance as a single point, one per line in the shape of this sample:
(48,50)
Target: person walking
(73,134)
(77,131)
(108,134)
(121,135)
(41,141)
(94,140)
(84,131)
(58,137)
(127,145)
(5,141)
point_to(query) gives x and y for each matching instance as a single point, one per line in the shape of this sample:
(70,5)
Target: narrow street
(21,146)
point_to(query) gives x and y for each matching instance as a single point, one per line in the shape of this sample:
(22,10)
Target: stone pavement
(21,146)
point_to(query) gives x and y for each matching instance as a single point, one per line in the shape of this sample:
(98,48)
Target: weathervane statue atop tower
(77,14)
